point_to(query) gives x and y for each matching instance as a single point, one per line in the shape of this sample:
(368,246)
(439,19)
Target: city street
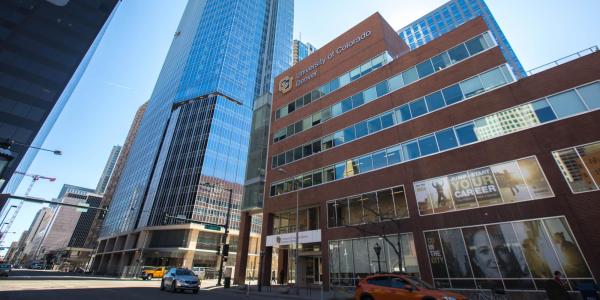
(31,284)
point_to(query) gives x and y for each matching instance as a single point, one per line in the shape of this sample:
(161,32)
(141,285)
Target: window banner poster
(484,186)
(423,199)
(480,251)
(456,254)
(462,191)
(436,257)
(439,192)
(536,182)
(538,251)
(511,183)
(568,253)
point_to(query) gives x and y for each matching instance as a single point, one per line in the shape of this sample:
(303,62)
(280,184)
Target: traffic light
(165,220)
(225,249)
(102,214)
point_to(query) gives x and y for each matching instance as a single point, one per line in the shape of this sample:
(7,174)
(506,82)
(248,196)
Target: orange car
(395,287)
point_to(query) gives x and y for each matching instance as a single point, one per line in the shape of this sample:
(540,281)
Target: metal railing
(563,60)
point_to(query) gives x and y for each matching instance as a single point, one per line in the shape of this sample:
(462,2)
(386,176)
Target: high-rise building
(108,169)
(301,50)
(40,71)
(73,189)
(36,233)
(437,161)
(196,130)
(451,15)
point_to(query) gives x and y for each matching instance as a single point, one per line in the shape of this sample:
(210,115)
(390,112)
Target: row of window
(437,100)
(558,106)
(580,166)
(421,70)
(344,79)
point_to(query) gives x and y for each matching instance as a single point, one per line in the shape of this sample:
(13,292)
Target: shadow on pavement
(145,293)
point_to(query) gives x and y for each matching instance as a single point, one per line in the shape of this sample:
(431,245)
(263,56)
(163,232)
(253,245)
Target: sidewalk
(281,292)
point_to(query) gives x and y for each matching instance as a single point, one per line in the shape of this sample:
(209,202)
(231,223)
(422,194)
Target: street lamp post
(296,254)
(7,213)
(377,249)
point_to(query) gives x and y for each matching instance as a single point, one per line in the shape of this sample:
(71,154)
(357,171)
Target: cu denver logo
(285,84)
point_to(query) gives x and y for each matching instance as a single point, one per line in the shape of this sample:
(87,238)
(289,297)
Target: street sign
(212,227)
(83,203)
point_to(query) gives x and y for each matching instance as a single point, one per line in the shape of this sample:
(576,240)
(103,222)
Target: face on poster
(481,253)
(534,178)
(538,251)
(462,191)
(508,252)
(568,252)
(484,186)
(436,258)
(510,182)
(439,193)
(456,255)
(423,199)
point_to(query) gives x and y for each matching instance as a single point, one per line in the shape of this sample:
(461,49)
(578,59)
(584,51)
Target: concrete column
(241,263)
(188,257)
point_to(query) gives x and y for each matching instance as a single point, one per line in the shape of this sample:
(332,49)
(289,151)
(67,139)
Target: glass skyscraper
(451,15)
(196,129)
(301,50)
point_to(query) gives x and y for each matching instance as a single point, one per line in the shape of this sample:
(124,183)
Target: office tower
(451,15)
(73,189)
(36,233)
(40,71)
(437,162)
(301,50)
(196,130)
(108,169)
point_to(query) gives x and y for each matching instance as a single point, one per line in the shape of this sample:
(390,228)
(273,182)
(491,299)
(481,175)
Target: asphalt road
(30,284)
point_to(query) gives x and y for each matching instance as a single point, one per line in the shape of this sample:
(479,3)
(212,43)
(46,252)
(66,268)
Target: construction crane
(34,178)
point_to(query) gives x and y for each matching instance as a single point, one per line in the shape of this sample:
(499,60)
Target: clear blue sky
(123,72)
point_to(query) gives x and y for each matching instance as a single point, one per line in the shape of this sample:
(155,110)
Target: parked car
(398,286)
(149,272)
(37,266)
(5,269)
(180,279)
(200,272)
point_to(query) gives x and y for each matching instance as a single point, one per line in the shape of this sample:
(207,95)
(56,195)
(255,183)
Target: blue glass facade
(451,15)
(302,50)
(197,125)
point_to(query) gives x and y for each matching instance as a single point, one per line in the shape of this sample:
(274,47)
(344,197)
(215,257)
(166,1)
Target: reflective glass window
(346,105)
(378,61)
(425,68)
(418,107)
(290,130)
(307,180)
(327,142)
(374,125)
(307,150)
(365,164)
(298,153)
(307,99)
(440,61)
(324,89)
(410,150)
(452,94)
(446,139)
(316,146)
(298,127)
(566,104)
(435,101)
(476,45)
(329,173)
(366,68)
(381,88)
(466,133)
(299,102)
(370,94)
(318,177)
(326,114)
(572,167)
(336,110)
(338,138)
(379,160)
(492,79)
(428,145)
(395,82)
(355,74)
(393,155)
(591,95)
(458,53)
(409,76)
(334,84)
(358,100)
(471,87)
(307,123)
(316,118)
(387,120)
(289,156)
(340,169)
(543,111)
(315,94)
(403,113)
(344,79)
(349,134)
(291,107)
(361,129)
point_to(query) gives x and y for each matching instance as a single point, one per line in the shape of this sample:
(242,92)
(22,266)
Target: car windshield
(148,268)
(183,272)
(422,284)
(5,266)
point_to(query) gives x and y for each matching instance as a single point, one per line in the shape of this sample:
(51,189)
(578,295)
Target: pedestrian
(556,288)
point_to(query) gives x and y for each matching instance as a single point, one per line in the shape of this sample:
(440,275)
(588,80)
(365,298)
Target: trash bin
(588,290)
(227,283)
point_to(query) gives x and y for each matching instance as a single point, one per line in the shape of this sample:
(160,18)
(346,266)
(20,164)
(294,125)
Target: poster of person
(423,199)
(508,252)
(538,251)
(439,193)
(481,253)
(511,183)
(534,178)
(462,192)
(568,253)
(590,154)
(456,255)
(484,186)
(436,257)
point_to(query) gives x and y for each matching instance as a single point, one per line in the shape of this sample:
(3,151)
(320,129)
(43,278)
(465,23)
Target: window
(440,61)
(355,209)
(336,109)
(425,68)
(297,153)
(591,95)
(344,79)
(428,145)
(297,127)
(452,94)
(317,177)
(395,82)
(289,156)
(338,138)
(386,203)
(387,120)
(403,113)
(435,101)
(349,134)
(330,174)
(393,155)
(370,209)
(316,119)
(466,133)
(366,68)
(307,150)
(346,105)
(361,129)
(492,79)
(418,107)
(543,111)
(374,125)
(316,146)
(334,84)
(574,171)
(398,283)
(409,76)
(458,53)
(446,139)
(379,160)
(307,180)
(340,170)
(315,94)
(378,61)
(358,100)
(365,164)
(381,88)
(291,107)
(327,142)
(324,89)
(370,94)
(355,74)
(476,45)
(410,150)
(471,87)
(326,114)
(566,104)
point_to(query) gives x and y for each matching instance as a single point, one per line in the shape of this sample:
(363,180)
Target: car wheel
(162,285)
(149,276)
(196,291)
(173,284)
(366,297)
